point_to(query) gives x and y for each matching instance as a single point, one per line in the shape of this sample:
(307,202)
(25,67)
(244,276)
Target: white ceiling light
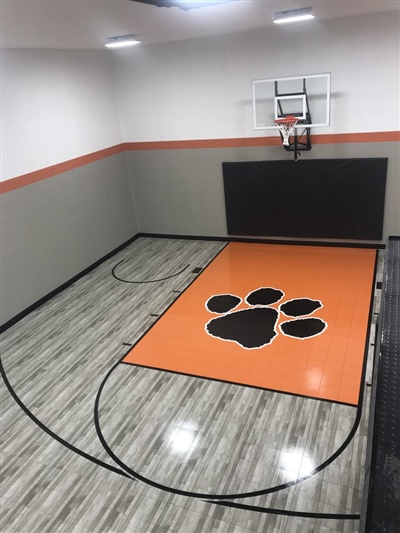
(294,15)
(184,4)
(122,40)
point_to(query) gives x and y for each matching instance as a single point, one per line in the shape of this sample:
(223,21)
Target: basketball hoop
(286,126)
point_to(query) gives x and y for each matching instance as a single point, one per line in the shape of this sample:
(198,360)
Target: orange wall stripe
(48,172)
(204,143)
(348,138)
(333,138)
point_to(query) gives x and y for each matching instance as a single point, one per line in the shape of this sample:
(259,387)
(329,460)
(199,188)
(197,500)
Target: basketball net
(286,126)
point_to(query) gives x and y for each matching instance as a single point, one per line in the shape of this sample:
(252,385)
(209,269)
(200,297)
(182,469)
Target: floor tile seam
(320,505)
(54,393)
(81,508)
(272,469)
(215,439)
(205,513)
(106,322)
(197,473)
(12,484)
(110,507)
(276,506)
(227,468)
(352,486)
(157,519)
(149,476)
(49,491)
(141,470)
(201,514)
(48,461)
(67,361)
(77,395)
(23,510)
(318,476)
(308,429)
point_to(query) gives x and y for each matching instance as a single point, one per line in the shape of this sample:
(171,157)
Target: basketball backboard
(306,97)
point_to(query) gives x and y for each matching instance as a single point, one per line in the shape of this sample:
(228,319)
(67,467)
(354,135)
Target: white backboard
(306,97)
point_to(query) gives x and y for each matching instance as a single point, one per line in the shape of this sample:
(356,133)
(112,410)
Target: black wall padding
(383,510)
(285,200)
(260,196)
(312,200)
(370,198)
(340,198)
(319,198)
(236,198)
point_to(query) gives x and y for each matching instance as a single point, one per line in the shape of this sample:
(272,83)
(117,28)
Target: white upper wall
(201,89)
(55,105)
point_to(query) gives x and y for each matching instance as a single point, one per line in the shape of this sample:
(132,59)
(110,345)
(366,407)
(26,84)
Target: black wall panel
(236,198)
(286,194)
(261,197)
(340,190)
(319,198)
(312,199)
(370,198)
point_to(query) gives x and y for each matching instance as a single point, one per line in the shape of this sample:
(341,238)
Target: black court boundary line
(270,490)
(284,512)
(236,383)
(19,316)
(146,281)
(51,433)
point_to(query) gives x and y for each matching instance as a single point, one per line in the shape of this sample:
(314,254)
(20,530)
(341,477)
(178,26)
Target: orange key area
(202,334)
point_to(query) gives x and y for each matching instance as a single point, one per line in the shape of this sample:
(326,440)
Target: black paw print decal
(255,326)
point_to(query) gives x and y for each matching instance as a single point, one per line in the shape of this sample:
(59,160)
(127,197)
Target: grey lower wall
(181,191)
(53,229)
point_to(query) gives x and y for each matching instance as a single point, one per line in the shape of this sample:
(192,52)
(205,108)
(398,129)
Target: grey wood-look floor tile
(242,438)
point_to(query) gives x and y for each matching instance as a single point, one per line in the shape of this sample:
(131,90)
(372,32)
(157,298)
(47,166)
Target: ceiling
(86,24)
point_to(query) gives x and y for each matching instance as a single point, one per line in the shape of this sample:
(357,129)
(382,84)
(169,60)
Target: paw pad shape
(256,325)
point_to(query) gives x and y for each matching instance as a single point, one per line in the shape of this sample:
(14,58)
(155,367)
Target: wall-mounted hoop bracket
(307,97)
(289,124)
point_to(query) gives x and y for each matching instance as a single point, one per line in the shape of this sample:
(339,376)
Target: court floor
(94,440)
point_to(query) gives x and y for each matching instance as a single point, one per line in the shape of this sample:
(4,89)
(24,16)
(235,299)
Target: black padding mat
(383,514)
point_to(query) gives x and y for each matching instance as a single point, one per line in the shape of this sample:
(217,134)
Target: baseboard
(340,244)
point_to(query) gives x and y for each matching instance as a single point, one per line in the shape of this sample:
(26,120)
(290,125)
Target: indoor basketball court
(185,413)
(200,259)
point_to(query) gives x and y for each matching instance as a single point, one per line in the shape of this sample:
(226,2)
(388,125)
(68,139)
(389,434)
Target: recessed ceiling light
(294,15)
(122,40)
(184,4)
